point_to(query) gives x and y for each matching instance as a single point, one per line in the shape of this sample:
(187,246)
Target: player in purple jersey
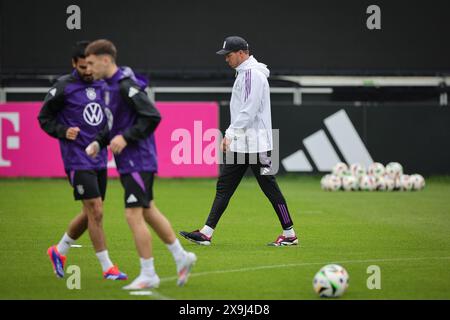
(132,120)
(73,113)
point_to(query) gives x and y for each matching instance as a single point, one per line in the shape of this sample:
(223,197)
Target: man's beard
(88,78)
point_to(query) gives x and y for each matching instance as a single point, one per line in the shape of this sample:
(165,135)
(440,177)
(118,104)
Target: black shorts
(88,184)
(138,189)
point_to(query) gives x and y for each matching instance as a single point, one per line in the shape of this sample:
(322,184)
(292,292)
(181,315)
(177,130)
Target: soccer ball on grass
(331,281)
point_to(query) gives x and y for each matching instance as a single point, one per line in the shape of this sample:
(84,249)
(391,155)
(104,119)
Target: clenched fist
(72,133)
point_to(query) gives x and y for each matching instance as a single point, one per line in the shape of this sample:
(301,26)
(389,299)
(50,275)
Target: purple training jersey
(131,114)
(75,103)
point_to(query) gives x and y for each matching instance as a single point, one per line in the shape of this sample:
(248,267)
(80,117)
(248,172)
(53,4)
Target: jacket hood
(139,79)
(252,63)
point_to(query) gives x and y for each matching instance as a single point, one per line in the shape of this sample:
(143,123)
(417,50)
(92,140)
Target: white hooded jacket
(251,125)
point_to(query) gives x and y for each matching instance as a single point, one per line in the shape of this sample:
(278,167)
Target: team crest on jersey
(91,94)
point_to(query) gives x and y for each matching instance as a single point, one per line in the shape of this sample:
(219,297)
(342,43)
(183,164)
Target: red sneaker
(284,241)
(58,261)
(114,273)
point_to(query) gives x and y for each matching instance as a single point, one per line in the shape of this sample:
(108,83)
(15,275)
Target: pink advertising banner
(186,140)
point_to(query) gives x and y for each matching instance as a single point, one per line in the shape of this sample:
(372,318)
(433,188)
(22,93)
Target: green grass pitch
(406,234)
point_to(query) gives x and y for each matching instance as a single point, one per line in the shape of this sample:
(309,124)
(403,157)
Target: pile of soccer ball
(376,177)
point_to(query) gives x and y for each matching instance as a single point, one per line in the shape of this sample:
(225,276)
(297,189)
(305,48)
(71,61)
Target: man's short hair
(101,47)
(78,50)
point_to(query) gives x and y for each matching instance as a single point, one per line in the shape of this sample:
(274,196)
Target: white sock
(289,233)
(103,257)
(177,250)
(64,245)
(207,231)
(147,267)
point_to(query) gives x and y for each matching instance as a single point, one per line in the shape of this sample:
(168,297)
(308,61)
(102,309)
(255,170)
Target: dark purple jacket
(75,103)
(131,114)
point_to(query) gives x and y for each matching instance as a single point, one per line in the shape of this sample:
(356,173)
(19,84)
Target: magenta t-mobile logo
(12,142)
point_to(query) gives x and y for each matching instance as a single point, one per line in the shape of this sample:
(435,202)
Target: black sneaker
(284,241)
(196,237)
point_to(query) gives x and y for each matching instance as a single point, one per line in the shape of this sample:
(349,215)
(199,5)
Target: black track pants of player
(230,177)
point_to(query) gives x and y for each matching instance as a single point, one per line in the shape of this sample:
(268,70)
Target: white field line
(151,294)
(291,265)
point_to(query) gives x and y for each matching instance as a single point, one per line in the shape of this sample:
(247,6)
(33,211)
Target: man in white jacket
(248,143)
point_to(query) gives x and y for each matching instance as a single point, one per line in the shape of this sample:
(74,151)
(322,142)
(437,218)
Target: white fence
(296,93)
(306,85)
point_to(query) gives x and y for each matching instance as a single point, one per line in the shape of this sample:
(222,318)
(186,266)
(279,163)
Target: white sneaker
(143,282)
(184,268)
